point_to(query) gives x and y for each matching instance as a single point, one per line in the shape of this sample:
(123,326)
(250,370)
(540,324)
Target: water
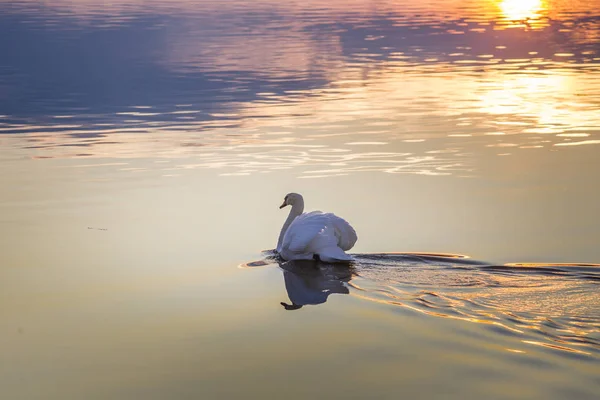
(145,148)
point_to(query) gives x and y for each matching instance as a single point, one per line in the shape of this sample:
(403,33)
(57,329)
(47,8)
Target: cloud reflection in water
(254,88)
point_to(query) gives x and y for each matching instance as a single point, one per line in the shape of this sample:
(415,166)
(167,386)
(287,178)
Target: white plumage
(307,235)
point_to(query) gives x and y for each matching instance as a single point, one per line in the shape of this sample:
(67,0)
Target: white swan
(314,235)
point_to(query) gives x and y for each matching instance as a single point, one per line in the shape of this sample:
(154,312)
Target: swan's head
(291,199)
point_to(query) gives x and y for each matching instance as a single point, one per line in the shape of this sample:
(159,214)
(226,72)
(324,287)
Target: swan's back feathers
(303,230)
(343,231)
(328,228)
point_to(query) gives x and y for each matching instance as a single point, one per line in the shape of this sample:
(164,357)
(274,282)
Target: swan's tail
(334,254)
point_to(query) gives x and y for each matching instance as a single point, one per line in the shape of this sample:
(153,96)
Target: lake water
(145,147)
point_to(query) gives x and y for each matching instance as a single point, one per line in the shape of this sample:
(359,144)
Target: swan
(314,235)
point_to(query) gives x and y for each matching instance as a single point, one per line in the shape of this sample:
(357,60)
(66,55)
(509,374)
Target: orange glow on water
(518,10)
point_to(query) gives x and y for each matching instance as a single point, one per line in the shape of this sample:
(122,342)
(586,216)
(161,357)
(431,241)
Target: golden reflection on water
(550,309)
(376,102)
(549,265)
(542,307)
(522,10)
(342,131)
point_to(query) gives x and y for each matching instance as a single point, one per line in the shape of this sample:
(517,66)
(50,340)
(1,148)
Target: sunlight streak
(521,10)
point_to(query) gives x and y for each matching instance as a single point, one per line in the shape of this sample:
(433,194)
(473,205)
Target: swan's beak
(283,205)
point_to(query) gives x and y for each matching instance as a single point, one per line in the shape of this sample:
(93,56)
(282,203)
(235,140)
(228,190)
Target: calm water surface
(146,145)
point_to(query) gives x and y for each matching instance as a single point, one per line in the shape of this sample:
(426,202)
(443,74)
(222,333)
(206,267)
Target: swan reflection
(311,282)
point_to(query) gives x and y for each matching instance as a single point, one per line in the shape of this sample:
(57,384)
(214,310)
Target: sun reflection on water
(522,10)
(340,93)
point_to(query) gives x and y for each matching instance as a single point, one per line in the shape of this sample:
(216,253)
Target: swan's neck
(296,210)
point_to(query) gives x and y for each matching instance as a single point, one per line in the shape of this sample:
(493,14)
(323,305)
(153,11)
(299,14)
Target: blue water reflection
(299,84)
(77,68)
(100,60)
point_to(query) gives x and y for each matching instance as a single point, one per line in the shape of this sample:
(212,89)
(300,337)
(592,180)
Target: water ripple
(555,306)
(541,303)
(430,86)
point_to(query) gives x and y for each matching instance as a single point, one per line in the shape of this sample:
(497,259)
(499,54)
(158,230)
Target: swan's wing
(345,233)
(331,230)
(304,229)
